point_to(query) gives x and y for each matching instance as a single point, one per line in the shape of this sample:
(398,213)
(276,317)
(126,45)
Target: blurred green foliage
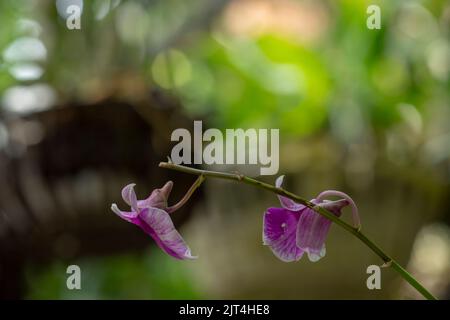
(253,79)
(130,276)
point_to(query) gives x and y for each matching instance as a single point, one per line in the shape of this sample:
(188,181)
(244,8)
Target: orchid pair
(289,231)
(295,228)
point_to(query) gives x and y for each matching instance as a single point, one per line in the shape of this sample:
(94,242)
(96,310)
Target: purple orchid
(152,216)
(295,229)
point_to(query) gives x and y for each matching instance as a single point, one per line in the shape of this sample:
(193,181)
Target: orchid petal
(355,214)
(279,232)
(158,224)
(334,206)
(313,229)
(314,255)
(129,196)
(286,202)
(128,216)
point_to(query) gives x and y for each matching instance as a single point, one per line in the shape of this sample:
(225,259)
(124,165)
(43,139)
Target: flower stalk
(188,194)
(354,230)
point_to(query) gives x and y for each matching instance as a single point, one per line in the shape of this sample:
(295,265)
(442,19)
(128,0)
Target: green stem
(388,261)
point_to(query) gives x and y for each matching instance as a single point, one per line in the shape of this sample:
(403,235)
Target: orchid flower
(152,216)
(294,229)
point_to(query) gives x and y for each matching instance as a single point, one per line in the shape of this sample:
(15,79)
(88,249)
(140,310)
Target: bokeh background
(84,112)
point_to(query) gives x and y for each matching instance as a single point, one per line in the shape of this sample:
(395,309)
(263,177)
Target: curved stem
(188,194)
(388,261)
